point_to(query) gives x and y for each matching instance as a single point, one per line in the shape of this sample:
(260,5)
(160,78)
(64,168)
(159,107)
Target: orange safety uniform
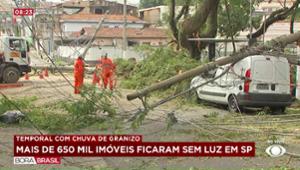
(78,74)
(108,68)
(96,75)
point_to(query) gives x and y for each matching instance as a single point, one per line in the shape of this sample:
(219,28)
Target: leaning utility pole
(124,28)
(94,36)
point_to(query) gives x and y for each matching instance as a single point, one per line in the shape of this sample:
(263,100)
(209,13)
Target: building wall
(77,26)
(156,15)
(119,42)
(274,5)
(94,53)
(152,16)
(275,30)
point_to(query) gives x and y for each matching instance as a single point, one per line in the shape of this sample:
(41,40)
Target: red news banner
(23,11)
(57,146)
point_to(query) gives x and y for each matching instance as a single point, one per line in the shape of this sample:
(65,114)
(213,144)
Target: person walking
(78,74)
(108,68)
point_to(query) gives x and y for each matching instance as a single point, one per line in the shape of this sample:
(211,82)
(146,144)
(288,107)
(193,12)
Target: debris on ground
(11,117)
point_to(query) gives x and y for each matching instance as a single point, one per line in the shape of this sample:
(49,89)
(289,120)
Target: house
(157,15)
(96,7)
(265,8)
(270,6)
(110,40)
(114,36)
(75,22)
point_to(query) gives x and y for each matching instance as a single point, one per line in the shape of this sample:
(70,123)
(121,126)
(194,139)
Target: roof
(152,8)
(130,32)
(84,3)
(97,17)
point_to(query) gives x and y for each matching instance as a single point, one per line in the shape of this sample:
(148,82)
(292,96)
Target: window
(98,11)
(16,44)
(132,43)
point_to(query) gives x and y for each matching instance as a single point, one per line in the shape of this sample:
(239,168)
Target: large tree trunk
(173,19)
(276,44)
(203,23)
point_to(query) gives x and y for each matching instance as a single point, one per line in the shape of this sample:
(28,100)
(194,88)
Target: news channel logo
(275,151)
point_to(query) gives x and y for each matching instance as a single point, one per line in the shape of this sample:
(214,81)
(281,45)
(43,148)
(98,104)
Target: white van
(255,81)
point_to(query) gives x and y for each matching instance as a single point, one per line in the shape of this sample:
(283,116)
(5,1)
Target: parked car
(256,81)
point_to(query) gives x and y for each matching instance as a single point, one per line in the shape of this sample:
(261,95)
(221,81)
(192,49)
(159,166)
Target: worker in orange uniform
(108,68)
(97,75)
(78,74)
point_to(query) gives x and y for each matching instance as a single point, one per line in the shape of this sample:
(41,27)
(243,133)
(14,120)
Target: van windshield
(17,44)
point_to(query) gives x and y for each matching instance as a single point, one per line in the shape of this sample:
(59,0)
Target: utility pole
(94,35)
(52,34)
(124,29)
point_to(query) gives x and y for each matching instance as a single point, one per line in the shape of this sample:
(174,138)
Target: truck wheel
(232,104)
(11,75)
(277,110)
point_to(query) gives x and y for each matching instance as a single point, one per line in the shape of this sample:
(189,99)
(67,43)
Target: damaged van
(256,81)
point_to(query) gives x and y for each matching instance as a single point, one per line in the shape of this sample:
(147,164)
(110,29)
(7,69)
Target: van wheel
(232,104)
(277,110)
(199,101)
(11,75)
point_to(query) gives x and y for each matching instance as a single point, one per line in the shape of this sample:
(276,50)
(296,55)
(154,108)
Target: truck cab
(14,58)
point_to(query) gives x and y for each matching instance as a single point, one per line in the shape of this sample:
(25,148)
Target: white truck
(256,81)
(14,58)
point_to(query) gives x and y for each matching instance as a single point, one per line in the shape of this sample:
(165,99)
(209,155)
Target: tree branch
(279,42)
(293,19)
(192,24)
(229,20)
(202,22)
(277,15)
(184,10)
(172,20)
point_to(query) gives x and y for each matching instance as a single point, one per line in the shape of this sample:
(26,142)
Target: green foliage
(59,62)
(264,111)
(84,112)
(161,63)
(124,67)
(24,103)
(139,118)
(239,12)
(68,116)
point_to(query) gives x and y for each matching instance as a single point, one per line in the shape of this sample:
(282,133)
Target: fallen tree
(272,47)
